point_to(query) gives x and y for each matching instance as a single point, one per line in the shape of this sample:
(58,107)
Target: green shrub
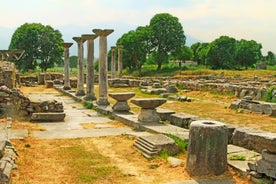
(269,95)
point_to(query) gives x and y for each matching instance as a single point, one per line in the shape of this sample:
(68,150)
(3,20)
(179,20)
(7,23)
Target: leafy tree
(194,48)
(201,53)
(247,53)
(136,45)
(183,54)
(220,54)
(73,61)
(168,36)
(42,45)
(270,58)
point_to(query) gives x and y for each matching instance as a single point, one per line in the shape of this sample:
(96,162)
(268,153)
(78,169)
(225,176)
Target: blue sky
(205,20)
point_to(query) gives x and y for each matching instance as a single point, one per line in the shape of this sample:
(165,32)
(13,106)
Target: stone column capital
(67,45)
(79,40)
(103,32)
(89,36)
(113,47)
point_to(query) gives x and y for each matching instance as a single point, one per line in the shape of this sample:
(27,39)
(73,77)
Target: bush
(270,94)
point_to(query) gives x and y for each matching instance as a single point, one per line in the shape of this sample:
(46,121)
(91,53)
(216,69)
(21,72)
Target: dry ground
(94,160)
(113,159)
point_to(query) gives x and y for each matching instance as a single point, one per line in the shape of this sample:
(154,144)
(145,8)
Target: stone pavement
(71,127)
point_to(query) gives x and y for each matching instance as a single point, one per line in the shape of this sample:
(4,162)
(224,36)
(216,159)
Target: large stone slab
(48,117)
(254,139)
(183,119)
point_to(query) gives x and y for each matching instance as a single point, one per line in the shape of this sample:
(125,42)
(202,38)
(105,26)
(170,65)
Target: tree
(136,46)
(247,53)
(194,48)
(201,53)
(168,36)
(73,61)
(220,54)
(42,45)
(270,58)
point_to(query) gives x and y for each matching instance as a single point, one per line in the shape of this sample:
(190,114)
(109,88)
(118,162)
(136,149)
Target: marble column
(66,47)
(103,33)
(120,62)
(80,84)
(90,76)
(113,63)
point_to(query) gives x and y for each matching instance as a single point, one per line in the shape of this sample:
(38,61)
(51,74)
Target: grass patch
(88,105)
(183,145)
(237,157)
(87,166)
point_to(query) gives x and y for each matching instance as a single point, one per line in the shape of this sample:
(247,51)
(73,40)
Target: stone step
(147,153)
(146,146)
(146,142)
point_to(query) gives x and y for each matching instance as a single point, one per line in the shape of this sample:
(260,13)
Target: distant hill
(70,31)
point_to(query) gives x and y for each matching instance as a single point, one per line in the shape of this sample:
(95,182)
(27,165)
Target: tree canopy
(42,45)
(168,37)
(135,47)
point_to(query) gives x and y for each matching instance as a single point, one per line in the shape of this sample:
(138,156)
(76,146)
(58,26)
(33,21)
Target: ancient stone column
(90,95)
(103,98)
(113,63)
(66,47)
(207,148)
(80,84)
(120,62)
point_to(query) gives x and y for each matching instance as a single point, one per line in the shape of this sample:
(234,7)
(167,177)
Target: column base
(148,116)
(80,93)
(66,87)
(121,106)
(103,101)
(90,97)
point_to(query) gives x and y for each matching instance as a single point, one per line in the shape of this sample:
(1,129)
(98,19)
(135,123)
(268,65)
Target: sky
(202,20)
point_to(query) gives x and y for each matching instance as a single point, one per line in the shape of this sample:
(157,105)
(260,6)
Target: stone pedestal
(148,106)
(80,85)
(113,63)
(90,95)
(103,100)
(66,47)
(122,98)
(207,148)
(120,61)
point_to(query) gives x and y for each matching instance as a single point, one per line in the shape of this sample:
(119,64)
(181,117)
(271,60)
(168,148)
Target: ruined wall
(7,74)
(13,102)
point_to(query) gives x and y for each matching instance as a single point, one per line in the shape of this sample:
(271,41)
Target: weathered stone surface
(156,85)
(148,103)
(269,109)
(268,156)
(51,117)
(148,116)
(254,139)
(183,119)
(207,149)
(267,168)
(174,162)
(164,114)
(49,84)
(171,89)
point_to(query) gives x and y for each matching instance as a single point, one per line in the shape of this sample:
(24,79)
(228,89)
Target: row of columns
(103,83)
